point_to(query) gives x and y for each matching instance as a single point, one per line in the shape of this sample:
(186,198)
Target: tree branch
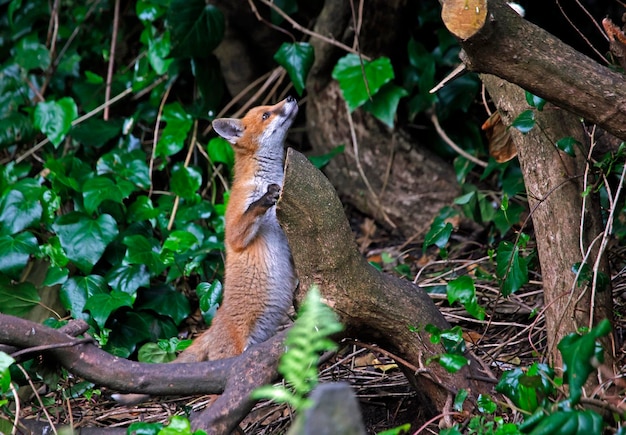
(235,377)
(522,53)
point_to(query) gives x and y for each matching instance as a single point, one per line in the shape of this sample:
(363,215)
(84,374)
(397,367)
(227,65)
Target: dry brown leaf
(501,146)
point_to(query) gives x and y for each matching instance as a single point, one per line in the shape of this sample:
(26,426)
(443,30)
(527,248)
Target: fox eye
(265,115)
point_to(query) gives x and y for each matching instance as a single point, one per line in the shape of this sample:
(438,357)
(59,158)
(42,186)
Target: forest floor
(512,335)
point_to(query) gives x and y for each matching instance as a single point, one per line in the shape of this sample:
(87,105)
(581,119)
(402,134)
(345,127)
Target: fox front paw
(271,196)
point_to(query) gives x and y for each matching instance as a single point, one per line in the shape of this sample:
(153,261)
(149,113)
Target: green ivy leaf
(511,268)
(15,253)
(165,301)
(96,132)
(525,121)
(128,278)
(581,355)
(197,28)
(535,101)
(186,181)
(77,290)
(101,305)
(152,353)
(567,145)
(384,104)
(438,234)
(142,250)
(178,123)
(180,241)
(528,389)
(83,238)
(220,151)
(452,362)
(5,375)
(54,118)
(486,405)
(142,209)
(15,128)
(148,10)
(462,289)
(99,189)
(349,74)
(570,422)
(125,165)
(210,296)
(56,275)
(320,161)
(17,212)
(17,299)
(30,54)
(297,58)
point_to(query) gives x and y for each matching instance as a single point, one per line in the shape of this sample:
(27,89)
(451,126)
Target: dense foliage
(112,191)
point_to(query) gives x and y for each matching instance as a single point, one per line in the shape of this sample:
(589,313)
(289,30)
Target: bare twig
(155,139)
(454,146)
(107,90)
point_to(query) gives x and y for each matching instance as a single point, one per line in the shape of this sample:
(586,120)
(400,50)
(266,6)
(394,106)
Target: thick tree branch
(371,304)
(235,377)
(520,52)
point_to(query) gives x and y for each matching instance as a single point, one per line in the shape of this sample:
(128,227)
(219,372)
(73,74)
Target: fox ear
(230,129)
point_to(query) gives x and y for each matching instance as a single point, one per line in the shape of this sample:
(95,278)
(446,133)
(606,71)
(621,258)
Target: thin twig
(77,121)
(34,389)
(17,408)
(311,33)
(454,146)
(107,90)
(155,139)
(355,148)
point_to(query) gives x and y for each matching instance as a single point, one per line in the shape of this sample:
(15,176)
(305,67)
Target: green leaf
(220,151)
(99,189)
(15,253)
(438,234)
(486,405)
(149,10)
(297,58)
(17,299)
(125,165)
(56,275)
(142,209)
(570,422)
(30,54)
(145,428)
(83,238)
(525,121)
(452,362)
(180,241)
(5,375)
(54,118)
(349,73)
(527,389)
(581,355)
(320,161)
(128,278)
(166,301)
(95,132)
(17,212)
(462,289)
(210,297)
(101,305)
(186,181)
(15,128)
(152,353)
(459,399)
(567,145)
(511,268)
(197,27)
(142,250)
(535,101)
(178,123)
(384,104)
(398,430)
(77,290)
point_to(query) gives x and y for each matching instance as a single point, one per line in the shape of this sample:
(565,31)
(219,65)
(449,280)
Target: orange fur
(259,277)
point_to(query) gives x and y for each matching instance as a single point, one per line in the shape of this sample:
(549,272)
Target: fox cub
(259,275)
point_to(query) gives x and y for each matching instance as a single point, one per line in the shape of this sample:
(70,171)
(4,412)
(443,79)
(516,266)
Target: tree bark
(519,52)
(554,184)
(372,305)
